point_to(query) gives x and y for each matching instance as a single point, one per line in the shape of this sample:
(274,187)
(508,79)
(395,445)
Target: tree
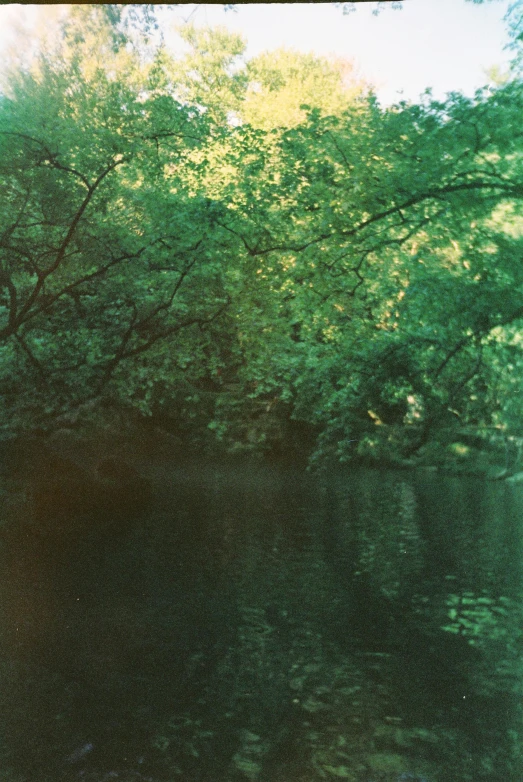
(381,239)
(105,252)
(283,83)
(175,244)
(209,76)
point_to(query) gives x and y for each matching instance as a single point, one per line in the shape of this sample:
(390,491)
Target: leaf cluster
(176,242)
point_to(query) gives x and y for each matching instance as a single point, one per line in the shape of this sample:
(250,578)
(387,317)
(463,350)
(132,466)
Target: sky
(446,45)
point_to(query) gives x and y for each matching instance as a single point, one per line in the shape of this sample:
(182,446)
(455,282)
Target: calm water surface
(264,624)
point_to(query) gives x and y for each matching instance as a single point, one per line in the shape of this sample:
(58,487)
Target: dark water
(262,624)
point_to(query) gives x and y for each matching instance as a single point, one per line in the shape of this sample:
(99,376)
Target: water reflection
(265,625)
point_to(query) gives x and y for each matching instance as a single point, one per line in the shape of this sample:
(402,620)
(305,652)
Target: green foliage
(106,254)
(180,237)
(283,83)
(208,76)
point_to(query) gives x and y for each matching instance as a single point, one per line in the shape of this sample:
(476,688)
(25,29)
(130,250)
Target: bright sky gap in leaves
(446,45)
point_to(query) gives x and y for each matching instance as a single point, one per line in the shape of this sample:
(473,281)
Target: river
(266,624)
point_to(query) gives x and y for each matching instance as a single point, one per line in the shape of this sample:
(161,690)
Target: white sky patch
(443,44)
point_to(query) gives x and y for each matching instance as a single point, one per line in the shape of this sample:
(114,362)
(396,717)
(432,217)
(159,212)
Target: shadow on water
(260,624)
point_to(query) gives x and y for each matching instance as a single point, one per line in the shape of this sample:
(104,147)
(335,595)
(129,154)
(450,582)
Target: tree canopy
(251,250)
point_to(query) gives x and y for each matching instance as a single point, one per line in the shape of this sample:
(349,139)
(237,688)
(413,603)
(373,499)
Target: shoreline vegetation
(255,255)
(495,456)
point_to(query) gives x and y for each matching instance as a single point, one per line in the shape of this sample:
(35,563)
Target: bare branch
(43,275)
(35,363)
